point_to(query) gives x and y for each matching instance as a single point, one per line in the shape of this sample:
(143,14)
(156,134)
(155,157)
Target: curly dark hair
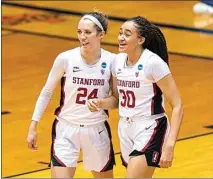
(154,38)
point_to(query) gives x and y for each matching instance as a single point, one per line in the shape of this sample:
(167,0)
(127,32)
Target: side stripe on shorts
(123,161)
(157,139)
(55,160)
(111,161)
(153,148)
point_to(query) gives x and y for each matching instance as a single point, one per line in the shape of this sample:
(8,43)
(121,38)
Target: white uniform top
(139,96)
(79,82)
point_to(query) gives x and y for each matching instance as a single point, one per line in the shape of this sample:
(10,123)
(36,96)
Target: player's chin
(122,50)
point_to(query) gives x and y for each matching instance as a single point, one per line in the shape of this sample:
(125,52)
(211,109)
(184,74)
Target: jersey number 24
(80,99)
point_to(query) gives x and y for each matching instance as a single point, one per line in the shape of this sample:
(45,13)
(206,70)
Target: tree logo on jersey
(155,156)
(104,65)
(140,67)
(137,73)
(102,71)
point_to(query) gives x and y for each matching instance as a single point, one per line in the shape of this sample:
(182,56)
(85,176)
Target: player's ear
(102,33)
(141,40)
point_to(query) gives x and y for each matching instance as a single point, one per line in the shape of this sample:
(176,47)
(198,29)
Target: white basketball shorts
(142,137)
(94,141)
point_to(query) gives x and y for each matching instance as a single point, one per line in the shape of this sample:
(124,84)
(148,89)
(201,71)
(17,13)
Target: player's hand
(167,156)
(32,139)
(94,104)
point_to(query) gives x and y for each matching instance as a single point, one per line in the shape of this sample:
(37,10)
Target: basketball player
(85,73)
(143,79)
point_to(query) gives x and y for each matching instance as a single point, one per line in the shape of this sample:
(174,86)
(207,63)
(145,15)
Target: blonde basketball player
(143,78)
(85,73)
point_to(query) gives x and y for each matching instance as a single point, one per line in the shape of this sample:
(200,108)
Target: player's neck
(133,58)
(91,57)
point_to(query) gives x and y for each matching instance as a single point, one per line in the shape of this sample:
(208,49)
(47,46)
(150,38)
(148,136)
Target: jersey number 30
(80,99)
(128,98)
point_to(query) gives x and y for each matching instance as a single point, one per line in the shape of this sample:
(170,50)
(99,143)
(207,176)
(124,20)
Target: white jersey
(79,83)
(139,95)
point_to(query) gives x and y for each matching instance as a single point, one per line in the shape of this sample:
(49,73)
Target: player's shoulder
(70,53)
(107,57)
(151,57)
(121,56)
(107,53)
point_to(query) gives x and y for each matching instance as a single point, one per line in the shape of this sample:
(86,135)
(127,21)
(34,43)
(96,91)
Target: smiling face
(128,38)
(88,35)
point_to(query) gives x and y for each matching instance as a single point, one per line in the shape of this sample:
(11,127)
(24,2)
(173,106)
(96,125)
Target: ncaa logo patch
(140,67)
(104,65)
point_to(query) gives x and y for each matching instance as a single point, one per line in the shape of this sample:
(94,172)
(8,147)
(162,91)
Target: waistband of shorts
(80,125)
(142,118)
